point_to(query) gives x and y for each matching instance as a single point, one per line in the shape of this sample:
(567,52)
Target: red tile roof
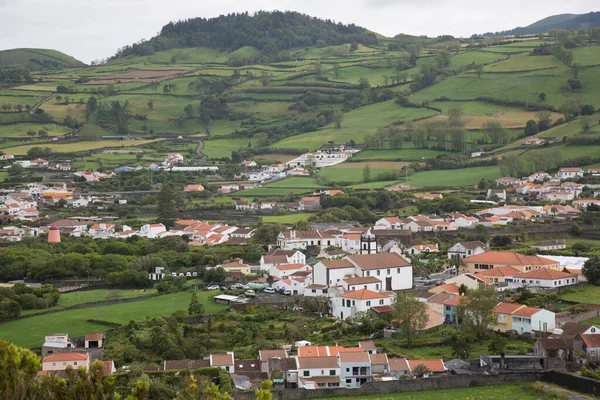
(506,308)
(363,294)
(433,365)
(66,357)
(545,273)
(378,261)
(508,258)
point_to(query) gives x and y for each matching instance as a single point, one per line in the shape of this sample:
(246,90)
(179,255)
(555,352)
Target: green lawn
(81,146)
(30,332)
(20,130)
(296,182)
(587,294)
(500,392)
(288,218)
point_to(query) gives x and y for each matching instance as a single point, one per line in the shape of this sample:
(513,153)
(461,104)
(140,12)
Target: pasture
(73,147)
(30,332)
(287,218)
(222,148)
(396,155)
(356,124)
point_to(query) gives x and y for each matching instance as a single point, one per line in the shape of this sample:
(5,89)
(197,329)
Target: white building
(60,361)
(152,230)
(318,372)
(355,368)
(466,249)
(391,269)
(389,223)
(569,173)
(350,304)
(529,319)
(544,278)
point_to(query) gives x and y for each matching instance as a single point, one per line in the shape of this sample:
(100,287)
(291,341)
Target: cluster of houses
(547,187)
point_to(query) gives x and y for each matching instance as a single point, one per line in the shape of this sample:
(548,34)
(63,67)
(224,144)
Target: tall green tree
(166,206)
(591,270)
(195,309)
(366,173)
(412,315)
(477,314)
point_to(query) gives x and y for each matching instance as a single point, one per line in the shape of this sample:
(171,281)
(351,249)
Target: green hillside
(407,99)
(555,22)
(37,59)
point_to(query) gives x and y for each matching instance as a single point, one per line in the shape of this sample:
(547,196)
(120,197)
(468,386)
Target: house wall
(348,379)
(62,365)
(402,277)
(544,316)
(541,283)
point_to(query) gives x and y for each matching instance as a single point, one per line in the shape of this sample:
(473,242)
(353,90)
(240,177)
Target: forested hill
(561,21)
(270,32)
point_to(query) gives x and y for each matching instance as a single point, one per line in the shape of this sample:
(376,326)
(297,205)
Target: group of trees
(22,297)
(270,32)
(14,75)
(8,107)
(128,261)
(516,165)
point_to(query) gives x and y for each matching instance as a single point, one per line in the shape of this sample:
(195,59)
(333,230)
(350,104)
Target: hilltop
(560,21)
(38,59)
(270,32)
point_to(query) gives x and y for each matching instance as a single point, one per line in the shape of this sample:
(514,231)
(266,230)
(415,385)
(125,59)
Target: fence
(408,385)
(573,382)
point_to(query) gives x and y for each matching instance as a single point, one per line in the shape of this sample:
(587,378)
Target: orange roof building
(493,259)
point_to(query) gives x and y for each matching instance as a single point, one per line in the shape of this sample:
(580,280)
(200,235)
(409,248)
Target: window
(353,303)
(75,363)
(377,286)
(64,364)
(368,273)
(54,364)
(227,369)
(314,290)
(381,302)
(398,270)
(389,272)
(347,369)
(306,373)
(332,372)
(378,272)
(365,286)
(348,380)
(322,372)
(368,304)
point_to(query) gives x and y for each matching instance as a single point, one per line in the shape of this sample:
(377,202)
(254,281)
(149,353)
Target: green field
(453,177)
(356,124)
(287,218)
(30,332)
(82,146)
(296,182)
(397,155)
(222,148)
(586,294)
(20,130)
(500,392)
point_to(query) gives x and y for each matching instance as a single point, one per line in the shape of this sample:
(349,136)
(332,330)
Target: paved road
(37,105)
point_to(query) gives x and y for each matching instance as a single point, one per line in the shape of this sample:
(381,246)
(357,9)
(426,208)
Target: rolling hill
(37,59)
(560,21)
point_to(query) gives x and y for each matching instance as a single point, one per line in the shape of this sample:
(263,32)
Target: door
(388,283)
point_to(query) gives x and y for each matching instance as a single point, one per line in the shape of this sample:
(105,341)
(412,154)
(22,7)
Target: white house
(351,303)
(391,269)
(60,361)
(466,249)
(389,223)
(569,173)
(318,372)
(301,239)
(102,230)
(529,319)
(354,283)
(465,221)
(225,361)
(284,270)
(355,368)
(152,230)
(281,257)
(545,278)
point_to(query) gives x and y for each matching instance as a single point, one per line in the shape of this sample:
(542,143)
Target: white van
(269,290)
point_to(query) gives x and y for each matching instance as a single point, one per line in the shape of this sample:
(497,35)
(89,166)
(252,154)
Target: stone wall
(408,385)
(573,382)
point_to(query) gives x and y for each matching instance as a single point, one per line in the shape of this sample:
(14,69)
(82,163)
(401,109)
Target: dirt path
(199,149)
(37,105)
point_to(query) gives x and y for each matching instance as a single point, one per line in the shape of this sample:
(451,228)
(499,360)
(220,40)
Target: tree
(544,120)
(265,391)
(570,109)
(336,71)
(91,106)
(462,290)
(195,309)
(18,107)
(189,111)
(353,47)
(16,170)
(542,96)
(497,345)
(366,173)
(479,70)
(576,230)
(462,344)
(531,128)
(17,370)
(476,314)
(267,232)
(42,133)
(150,104)
(591,270)
(31,133)
(338,117)
(166,206)
(412,315)
(421,370)
(586,124)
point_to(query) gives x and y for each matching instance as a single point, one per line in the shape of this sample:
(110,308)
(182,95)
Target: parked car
(212,287)
(269,290)
(238,286)
(287,292)
(223,287)
(244,287)
(250,293)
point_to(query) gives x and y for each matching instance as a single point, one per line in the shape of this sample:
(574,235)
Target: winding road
(38,104)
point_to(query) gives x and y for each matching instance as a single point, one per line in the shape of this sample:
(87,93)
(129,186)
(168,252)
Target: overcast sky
(91,30)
